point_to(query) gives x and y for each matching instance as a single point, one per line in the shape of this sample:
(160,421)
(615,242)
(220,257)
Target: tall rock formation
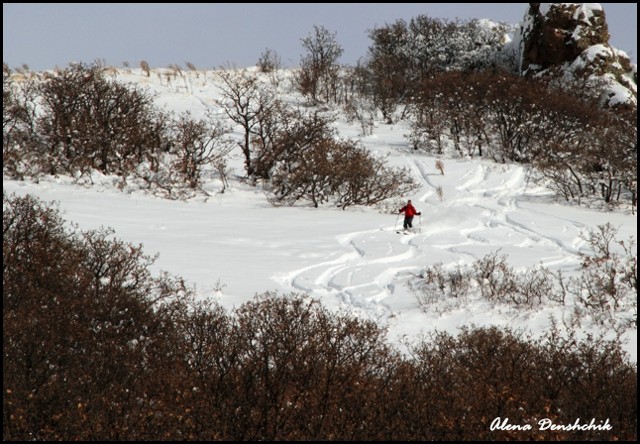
(571,40)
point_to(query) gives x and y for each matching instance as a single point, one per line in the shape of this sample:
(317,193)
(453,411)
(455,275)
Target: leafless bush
(269,61)
(488,373)
(283,134)
(428,126)
(176,70)
(89,122)
(302,159)
(21,144)
(495,280)
(364,179)
(82,320)
(307,177)
(440,166)
(495,277)
(534,287)
(500,282)
(145,67)
(607,289)
(403,54)
(579,149)
(358,110)
(440,192)
(339,170)
(196,144)
(319,68)
(436,285)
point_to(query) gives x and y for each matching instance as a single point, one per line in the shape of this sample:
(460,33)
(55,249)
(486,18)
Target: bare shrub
(196,144)
(96,348)
(21,144)
(495,280)
(500,282)
(487,373)
(358,103)
(360,111)
(176,70)
(283,134)
(319,68)
(303,160)
(89,122)
(440,192)
(88,334)
(339,170)
(364,179)
(145,68)
(607,289)
(307,372)
(440,166)
(403,54)
(296,182)
(269,61)
(436,285)
(495,277)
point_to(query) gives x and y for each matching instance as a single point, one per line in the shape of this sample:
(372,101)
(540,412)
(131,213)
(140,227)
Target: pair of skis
(408,231)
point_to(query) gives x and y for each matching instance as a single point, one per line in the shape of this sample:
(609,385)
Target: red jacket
(408,210)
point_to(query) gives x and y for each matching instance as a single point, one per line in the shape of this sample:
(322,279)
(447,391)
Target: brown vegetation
(96,348)
(569,139)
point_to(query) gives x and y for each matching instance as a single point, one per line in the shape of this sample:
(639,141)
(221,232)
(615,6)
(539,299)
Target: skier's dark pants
(407,222)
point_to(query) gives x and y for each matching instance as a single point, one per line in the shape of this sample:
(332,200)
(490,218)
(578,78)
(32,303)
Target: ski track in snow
(362,278)
(366,277)
(479,210)
(485,208)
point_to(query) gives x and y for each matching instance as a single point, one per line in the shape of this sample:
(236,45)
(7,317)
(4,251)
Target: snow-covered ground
(233,245)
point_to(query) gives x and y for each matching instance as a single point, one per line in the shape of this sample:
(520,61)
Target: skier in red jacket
(409,211)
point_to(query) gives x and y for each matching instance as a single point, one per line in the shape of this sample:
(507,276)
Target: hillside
(235,244)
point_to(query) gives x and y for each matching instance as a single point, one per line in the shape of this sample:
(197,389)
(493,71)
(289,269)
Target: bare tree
(319,68)
(245,101)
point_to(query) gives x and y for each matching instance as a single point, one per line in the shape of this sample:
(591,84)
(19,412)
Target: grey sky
(210,35)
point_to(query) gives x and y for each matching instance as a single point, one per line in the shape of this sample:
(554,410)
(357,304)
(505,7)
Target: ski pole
(396,223)
(420,223)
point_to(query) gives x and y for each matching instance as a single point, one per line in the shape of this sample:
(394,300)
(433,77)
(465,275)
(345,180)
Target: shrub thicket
(606,289)
(578,149)
(95,347)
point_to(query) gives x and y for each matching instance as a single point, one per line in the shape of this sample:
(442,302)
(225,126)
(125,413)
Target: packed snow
(235,244)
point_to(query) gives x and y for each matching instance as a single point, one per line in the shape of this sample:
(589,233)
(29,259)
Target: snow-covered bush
(402,54)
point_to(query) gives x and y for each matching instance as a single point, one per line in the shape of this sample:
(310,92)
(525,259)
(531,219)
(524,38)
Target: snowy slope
(234,245)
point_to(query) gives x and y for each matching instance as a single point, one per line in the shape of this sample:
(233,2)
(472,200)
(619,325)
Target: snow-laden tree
(404,54)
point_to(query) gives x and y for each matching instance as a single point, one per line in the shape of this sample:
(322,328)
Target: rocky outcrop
(572,40)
